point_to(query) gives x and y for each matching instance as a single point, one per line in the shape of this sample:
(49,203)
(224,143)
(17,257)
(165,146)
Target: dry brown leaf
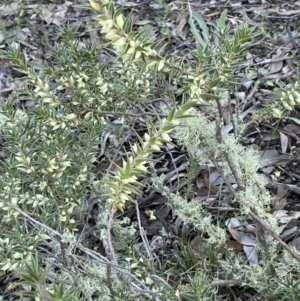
(53,14)
(284,12)
(215,13)
(248,241)
(284,216)
(141,22)
(288,133)
(200,244)
(235,234)
(146,11)
(212,188)
(294,222)
(296,244)
(273,76)
(291,65)
(127,4)
(284,140)
(59,17)
(249,21)
(269,136)
(236,246)
(177,176)
(47,13)
(293,129)
(250,228)
(8,10)
(182,20)
(279,200)
(196,4)
(271,157)
(288,234)
(278,204)
(27,45)
(277,65)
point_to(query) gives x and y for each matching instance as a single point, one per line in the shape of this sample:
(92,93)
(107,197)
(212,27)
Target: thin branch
(109,240)
(226,282)
(235,173)
(67,267)
(37,222)
(86,109)
(79,283)
(222,209)
(220,140)
(144,290)
(256,217)
(98,257)
(293,252)
(161,280)
(143,236)
(109,280)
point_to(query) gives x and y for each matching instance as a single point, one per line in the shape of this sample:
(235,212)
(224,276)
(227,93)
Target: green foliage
(34,278)
(192,172)
(49,172)
(186,259)
(193,214)
(284,102)
(198,288)
(288,289)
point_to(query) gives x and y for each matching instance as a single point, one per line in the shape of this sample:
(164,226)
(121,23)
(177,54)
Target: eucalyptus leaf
(222,19)
(294,119)
(203,37)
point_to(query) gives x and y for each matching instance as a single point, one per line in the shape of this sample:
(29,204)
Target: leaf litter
(270,62)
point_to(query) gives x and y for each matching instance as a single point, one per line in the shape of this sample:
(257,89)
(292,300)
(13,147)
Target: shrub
(50,170)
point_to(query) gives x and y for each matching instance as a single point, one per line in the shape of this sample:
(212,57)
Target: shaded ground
(271,63)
